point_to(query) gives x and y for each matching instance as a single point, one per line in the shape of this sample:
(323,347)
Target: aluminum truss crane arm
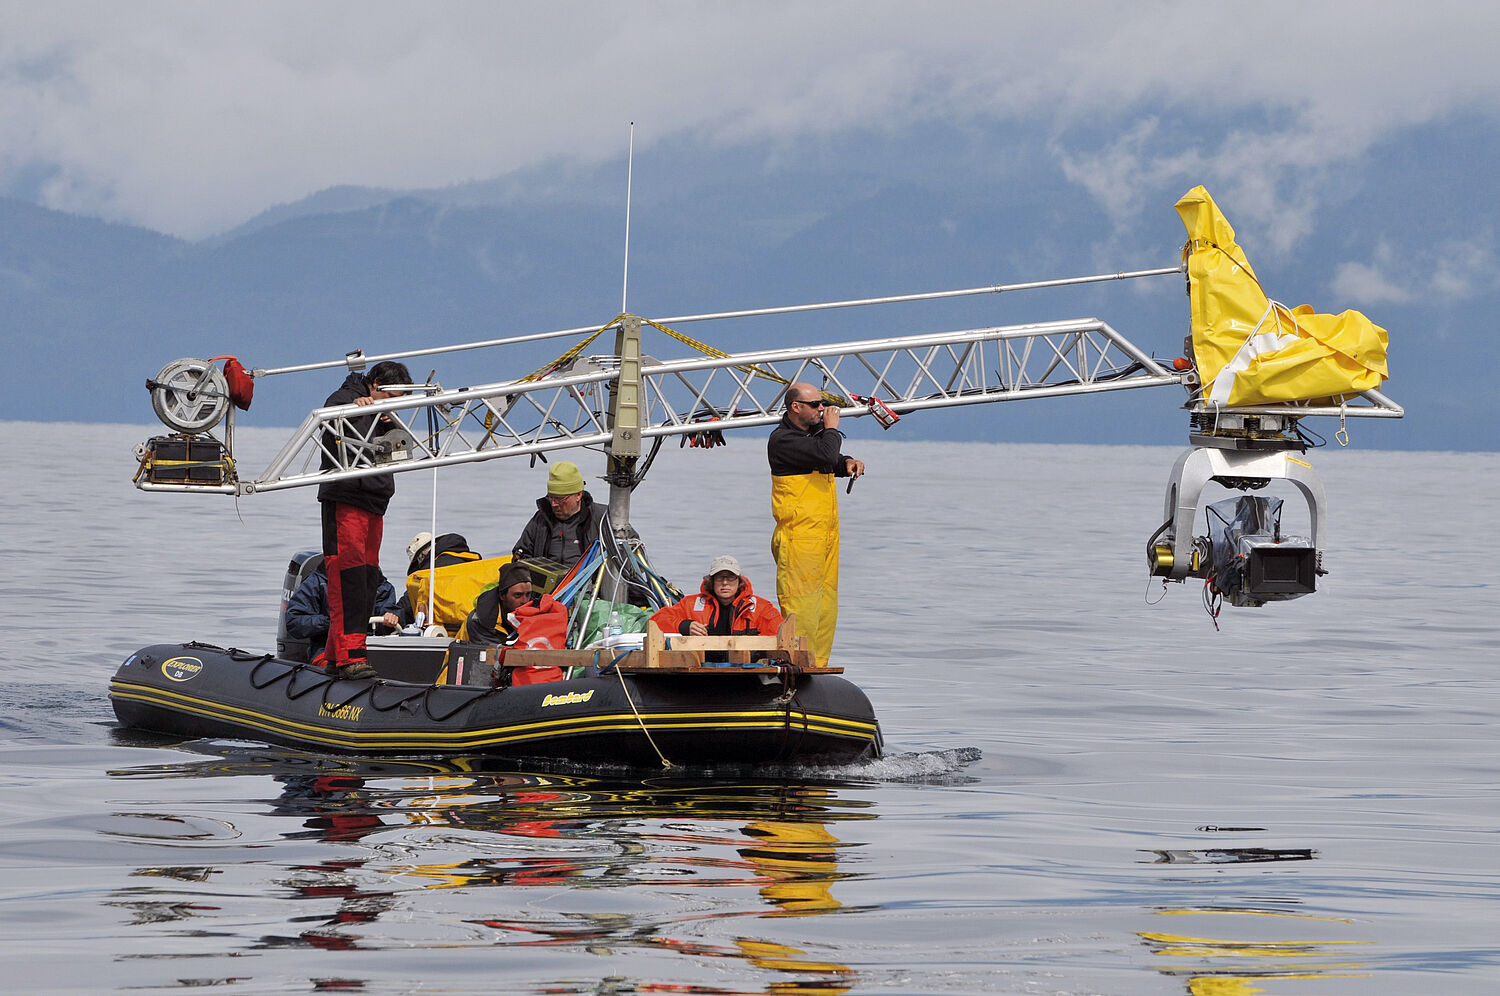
(440,428)
(615,401)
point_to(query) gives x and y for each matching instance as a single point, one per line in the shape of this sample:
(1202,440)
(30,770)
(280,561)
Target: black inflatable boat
(722,715)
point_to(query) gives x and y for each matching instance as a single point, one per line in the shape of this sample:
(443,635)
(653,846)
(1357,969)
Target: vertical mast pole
(629,173)
(624,447)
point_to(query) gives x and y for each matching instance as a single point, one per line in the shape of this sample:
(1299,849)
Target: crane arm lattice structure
(616,400)
(433,427)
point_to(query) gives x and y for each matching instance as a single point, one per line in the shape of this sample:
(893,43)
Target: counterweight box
(185,459)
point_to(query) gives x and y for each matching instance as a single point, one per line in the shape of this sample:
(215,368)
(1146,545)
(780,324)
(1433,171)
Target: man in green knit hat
(566,522)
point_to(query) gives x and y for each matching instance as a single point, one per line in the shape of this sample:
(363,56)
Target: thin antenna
(629,168)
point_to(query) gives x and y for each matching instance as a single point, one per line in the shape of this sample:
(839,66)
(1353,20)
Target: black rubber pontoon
(199,690)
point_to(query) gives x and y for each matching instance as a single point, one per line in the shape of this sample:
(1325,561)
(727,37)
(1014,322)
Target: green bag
(632,618)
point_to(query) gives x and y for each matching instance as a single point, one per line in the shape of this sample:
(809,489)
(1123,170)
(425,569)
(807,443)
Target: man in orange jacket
(725,605)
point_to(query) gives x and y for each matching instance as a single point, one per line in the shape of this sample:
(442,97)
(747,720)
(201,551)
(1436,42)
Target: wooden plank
(722,642)
(801,660)
(568,658)
(638,660)
(678,658)
(723,671)
(655,644)
(685,655)
(786,635)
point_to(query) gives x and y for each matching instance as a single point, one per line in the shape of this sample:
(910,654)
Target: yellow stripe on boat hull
(331,735)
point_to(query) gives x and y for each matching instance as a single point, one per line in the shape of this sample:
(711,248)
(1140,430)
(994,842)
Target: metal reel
(190,395)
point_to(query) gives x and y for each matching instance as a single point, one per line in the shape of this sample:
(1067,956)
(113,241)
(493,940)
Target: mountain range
(92,309)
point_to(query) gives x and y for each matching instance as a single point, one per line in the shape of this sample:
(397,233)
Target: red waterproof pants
(351,558)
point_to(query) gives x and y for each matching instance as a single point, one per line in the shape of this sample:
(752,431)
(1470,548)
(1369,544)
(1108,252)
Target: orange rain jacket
(753,616)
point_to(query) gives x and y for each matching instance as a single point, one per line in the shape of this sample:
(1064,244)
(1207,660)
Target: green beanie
(564,479)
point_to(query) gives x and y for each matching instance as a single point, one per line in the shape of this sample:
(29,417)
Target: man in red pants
(353,512)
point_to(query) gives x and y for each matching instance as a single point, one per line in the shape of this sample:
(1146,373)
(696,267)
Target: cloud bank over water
(189,118)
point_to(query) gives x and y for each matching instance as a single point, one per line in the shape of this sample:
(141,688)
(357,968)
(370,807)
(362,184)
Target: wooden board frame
(686,653)
(677,654)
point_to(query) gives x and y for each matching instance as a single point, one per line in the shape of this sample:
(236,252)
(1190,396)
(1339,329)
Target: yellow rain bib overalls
(805,542)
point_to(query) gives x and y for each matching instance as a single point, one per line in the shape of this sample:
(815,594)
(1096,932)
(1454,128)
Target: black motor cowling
(302,564)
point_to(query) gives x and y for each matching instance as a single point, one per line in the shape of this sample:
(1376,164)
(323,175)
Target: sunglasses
(813,404)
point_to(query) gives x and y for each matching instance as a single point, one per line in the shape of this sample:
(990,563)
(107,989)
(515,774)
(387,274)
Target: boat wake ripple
(935,767)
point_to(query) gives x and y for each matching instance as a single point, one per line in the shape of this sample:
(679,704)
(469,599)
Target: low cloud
(1454,272)
(190,117)
(1465,269)
(1364,284)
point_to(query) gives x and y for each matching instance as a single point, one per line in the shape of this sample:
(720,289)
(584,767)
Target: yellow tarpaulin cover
(457,585)
(1251,350)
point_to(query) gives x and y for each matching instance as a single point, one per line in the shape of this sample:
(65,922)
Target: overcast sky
(1352,144)
(189,117)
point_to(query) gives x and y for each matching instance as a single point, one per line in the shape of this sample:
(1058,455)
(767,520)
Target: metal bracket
(1171,555)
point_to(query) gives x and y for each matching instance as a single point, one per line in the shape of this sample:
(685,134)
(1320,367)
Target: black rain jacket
(372,493)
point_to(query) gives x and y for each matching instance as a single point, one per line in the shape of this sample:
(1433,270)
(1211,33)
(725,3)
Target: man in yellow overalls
(805,456)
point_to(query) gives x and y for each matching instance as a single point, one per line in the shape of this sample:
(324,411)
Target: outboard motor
(302,564)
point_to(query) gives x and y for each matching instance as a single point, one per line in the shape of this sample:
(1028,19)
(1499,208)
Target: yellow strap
(708,350)
(545,369)
(572,352)
(686,340)
(150,462)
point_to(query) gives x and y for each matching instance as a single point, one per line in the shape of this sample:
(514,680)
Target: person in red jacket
(353,519)
(726,605)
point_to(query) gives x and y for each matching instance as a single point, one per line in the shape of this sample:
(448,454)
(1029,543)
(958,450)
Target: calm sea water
(1090,789)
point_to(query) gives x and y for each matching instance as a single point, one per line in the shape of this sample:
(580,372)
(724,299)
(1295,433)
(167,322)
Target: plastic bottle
(614,622)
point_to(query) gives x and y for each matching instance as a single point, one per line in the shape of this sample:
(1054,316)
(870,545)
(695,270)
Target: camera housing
(1245,558)
(1249,560)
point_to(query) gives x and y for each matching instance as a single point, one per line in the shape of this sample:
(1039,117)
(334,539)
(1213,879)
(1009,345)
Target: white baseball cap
(417,543)
(724,563)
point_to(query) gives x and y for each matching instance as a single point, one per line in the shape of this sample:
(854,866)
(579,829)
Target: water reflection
(800,864)
(1231,949)
(1267,944)
(356,905)
(1232,855)
(603,865)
